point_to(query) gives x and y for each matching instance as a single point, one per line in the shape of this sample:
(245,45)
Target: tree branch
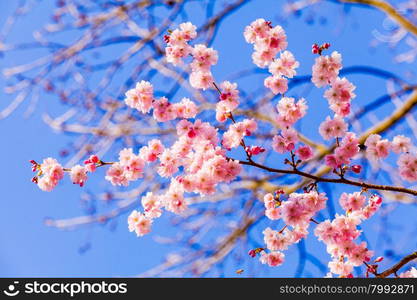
(332,180)
(399,265)
(390,11)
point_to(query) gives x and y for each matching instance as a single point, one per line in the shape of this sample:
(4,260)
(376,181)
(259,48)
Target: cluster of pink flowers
(50,172)
(228,100)
(290,111)
(340,94)
(177,43)
(326,69)
(268,41)
(204,163)
(129,168)
(339,234)
(335,128)
(285,141)
(232,138)
(142,99)
(203,57)
(196,163)
(297,212)
(344,152)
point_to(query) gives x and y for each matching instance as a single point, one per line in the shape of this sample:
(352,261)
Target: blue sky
(29,248)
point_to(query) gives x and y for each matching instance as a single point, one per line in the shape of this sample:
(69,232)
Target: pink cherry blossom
(285,65)
(304,153)
(277,84)
(140,97)
(201,80)
(139,223)
(377,148)
(407,164)
(354,201)
(290,111)
(234,135)
(78,175)
(273,259)
(152,205)
(401,144)
(326,69)
(333,128)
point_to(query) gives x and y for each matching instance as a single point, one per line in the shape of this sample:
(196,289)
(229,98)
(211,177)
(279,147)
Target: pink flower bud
(94,159)
(379,259)
(252,253)
(356,169)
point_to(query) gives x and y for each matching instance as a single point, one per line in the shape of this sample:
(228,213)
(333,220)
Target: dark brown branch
(398,266)
(332,180)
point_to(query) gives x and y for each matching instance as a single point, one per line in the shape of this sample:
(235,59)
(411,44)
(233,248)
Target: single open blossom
(201,80)
(304,153)
(407,164)
(139,223)
(400,144)
(78,175)
(277,84)
(272,259)
(351,202)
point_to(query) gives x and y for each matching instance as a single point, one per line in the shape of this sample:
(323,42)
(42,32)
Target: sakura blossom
(198,159)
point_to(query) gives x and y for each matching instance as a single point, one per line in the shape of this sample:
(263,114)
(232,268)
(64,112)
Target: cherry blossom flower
(326,69)
(139,223)
(304,153)
(78,175)
(140,97)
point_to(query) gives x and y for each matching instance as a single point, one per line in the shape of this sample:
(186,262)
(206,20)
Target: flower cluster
(129,168)
(344,152)
(196,161)
(268,41)
(339,234)
(228,100)
(203,57)
(142,99)
(177,43)
(297,211)
(233,136)
(50,172)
